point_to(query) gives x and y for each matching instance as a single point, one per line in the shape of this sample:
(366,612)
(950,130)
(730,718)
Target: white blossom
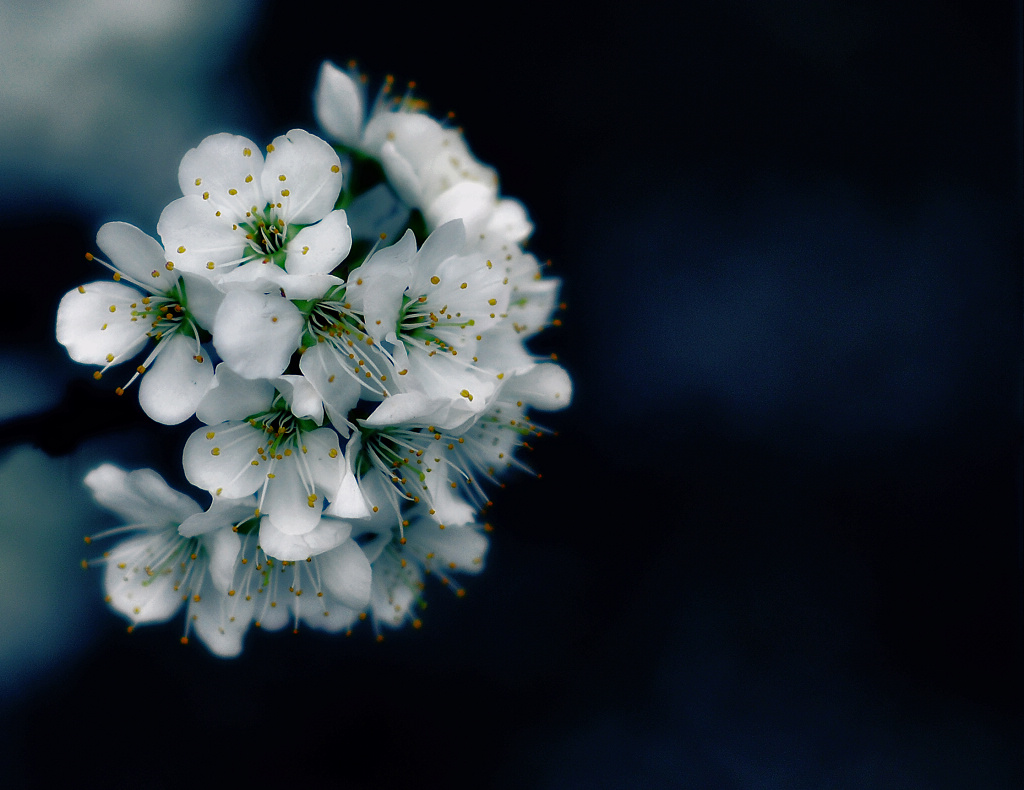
(150,575)
(403,564)
(285,579)
(255,442)
(246,221)
(428,164)
(105,323)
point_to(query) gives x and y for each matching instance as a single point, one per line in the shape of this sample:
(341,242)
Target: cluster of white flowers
(348,319)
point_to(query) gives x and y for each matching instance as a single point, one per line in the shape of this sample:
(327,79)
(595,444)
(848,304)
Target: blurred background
(777,542)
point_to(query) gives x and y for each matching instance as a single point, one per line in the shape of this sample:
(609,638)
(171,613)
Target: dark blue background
(777,540)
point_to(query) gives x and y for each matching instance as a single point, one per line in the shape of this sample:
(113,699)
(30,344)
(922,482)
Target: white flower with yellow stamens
(425,311)
(427,164)
(105,323)
(150,575)
(258,442)
(322,582)
(395,462)
(245,221)
(403,563)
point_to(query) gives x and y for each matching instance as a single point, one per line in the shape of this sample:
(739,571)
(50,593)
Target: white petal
(416,137)
(463,546)
(133,591)
(346,573)
(329,533)
(194,237)
(202,298)
(323,458)
(508,221)
(318,248)
(532,304)
(401,175)
(338,390)
(172,388)
(288,501)
(393,591)
(348,501)
(451,164)
(326,614)
(545,386)
(221,622)
(457,394)
(223,512)
(220,459)
(231,397)
(139,497)
(395,261)
(449,507)
(94,323)
(404,408)
(223,546)
(272,618)
(219,164)
(131,251)
(338,105)
(442,244)
(302,397)
(469,201)
(257,276)
(501,350)
(309,170)
(256,334)
(306,286)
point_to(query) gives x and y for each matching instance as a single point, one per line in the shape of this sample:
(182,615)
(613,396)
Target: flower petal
(222,163)
(303,174)
(139,497)
(393,262)
(348,500)
(338,105)
(393,591)
(463,547)
(256,334)
(302,397)
(223,512)
(231,397)
(134,587)
(329,533)
(545,386)
(346,573)
(322,457)
(172,388)
(95,323)
(195,237)
(132,252)
(404,408)
(509,222)
(469,201)
(338,390)
(221,459)
(449,507)
(202,298)
(401,175)
(416,137)
(318,248)
(288,502)
(223,546)
(222,622)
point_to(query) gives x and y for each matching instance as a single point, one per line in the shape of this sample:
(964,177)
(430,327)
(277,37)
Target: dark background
(777,542)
